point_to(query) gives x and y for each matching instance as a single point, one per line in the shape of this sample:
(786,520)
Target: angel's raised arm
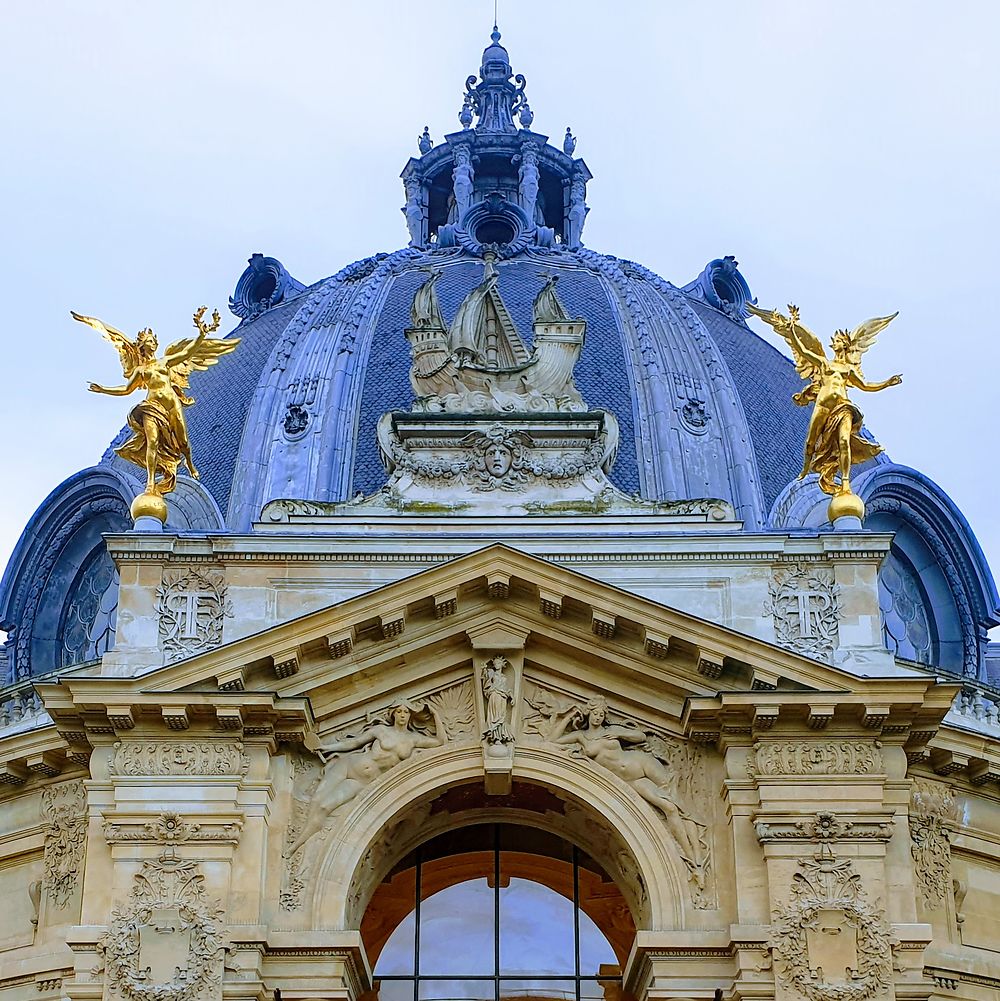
(128,352)
(805,345)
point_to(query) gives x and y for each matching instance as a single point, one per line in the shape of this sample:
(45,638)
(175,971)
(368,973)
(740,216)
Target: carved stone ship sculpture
(497,428)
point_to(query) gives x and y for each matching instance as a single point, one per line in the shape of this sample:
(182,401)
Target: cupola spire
(494,99)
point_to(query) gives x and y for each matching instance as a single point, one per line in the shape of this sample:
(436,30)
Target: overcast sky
(846,152)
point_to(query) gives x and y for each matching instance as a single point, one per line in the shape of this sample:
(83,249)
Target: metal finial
(526,116)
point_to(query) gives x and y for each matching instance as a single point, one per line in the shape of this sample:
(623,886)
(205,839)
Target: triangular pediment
(587,637)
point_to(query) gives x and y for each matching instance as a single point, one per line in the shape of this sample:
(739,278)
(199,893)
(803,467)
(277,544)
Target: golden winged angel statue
(833,442)
(159,441)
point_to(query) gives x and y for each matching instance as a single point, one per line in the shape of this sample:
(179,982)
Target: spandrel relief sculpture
(658,770)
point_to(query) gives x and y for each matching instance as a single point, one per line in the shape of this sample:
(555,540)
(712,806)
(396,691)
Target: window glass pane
(525,989)
(395,990)
(595,949)
(398,953)
(536,926)
(600,990)
(457,930)
(457,990)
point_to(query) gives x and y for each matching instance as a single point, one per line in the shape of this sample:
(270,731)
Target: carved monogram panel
(177,757)
(191,604)
(805,604)
(821,757)
(64,810)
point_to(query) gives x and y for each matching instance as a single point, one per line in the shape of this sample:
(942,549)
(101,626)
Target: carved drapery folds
(805,605)
(167,942)
(933,810)
(355,760)
(829,942)
(668,774)
(64,810)
(191,605)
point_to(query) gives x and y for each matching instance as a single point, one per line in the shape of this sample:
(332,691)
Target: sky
(845,152)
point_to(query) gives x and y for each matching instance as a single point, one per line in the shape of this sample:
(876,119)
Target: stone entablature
(736,791)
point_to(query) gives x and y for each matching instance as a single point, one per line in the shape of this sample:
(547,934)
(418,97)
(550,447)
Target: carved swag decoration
(191,605)
(828,941)
(805,605)
(167,943)
(179,757)
(354,761)
(933,811)
(667,774)
(816,757)
(64,810)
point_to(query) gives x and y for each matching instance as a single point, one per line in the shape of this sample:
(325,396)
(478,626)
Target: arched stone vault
(376,833)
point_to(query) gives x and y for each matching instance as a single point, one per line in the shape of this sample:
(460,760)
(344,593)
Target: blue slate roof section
(765,380)
(223,394)
(601,374)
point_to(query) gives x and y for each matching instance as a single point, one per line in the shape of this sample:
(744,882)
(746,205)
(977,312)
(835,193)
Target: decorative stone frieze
(191,604)
(821,828)
(180,757)
(933,812)
(166,943)
(64,810)
(822,757)
(804,602)
(829,942)
(170,829)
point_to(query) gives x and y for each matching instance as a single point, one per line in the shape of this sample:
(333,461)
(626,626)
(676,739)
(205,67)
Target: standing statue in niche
(528,180)
(626,751)
(159,442)
(413,211)
(499,698)
(463,178)
(834,442)
(578,210)
(355,761)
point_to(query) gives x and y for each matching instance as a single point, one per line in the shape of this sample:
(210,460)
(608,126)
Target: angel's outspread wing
(864,335)
(807,348)
(127,350)
(190,353)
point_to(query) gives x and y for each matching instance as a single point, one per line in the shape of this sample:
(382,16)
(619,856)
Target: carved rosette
(804,602)
(64,810)
(167,942)
(191,605)
(933,811)
(829,942)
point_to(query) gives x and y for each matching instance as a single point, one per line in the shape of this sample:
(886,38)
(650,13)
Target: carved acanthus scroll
(820,757)
(64,809)
(933,811)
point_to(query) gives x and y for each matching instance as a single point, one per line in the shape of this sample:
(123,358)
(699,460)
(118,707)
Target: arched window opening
(498,911)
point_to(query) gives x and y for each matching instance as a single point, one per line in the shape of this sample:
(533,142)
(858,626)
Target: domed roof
(703,404)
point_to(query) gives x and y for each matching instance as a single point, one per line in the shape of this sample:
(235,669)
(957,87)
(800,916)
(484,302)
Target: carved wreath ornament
(829,942)
(166,943)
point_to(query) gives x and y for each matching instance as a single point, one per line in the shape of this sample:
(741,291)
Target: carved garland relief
(829,942)
(64,810)
(806,757)
(167,942)
(668,774)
